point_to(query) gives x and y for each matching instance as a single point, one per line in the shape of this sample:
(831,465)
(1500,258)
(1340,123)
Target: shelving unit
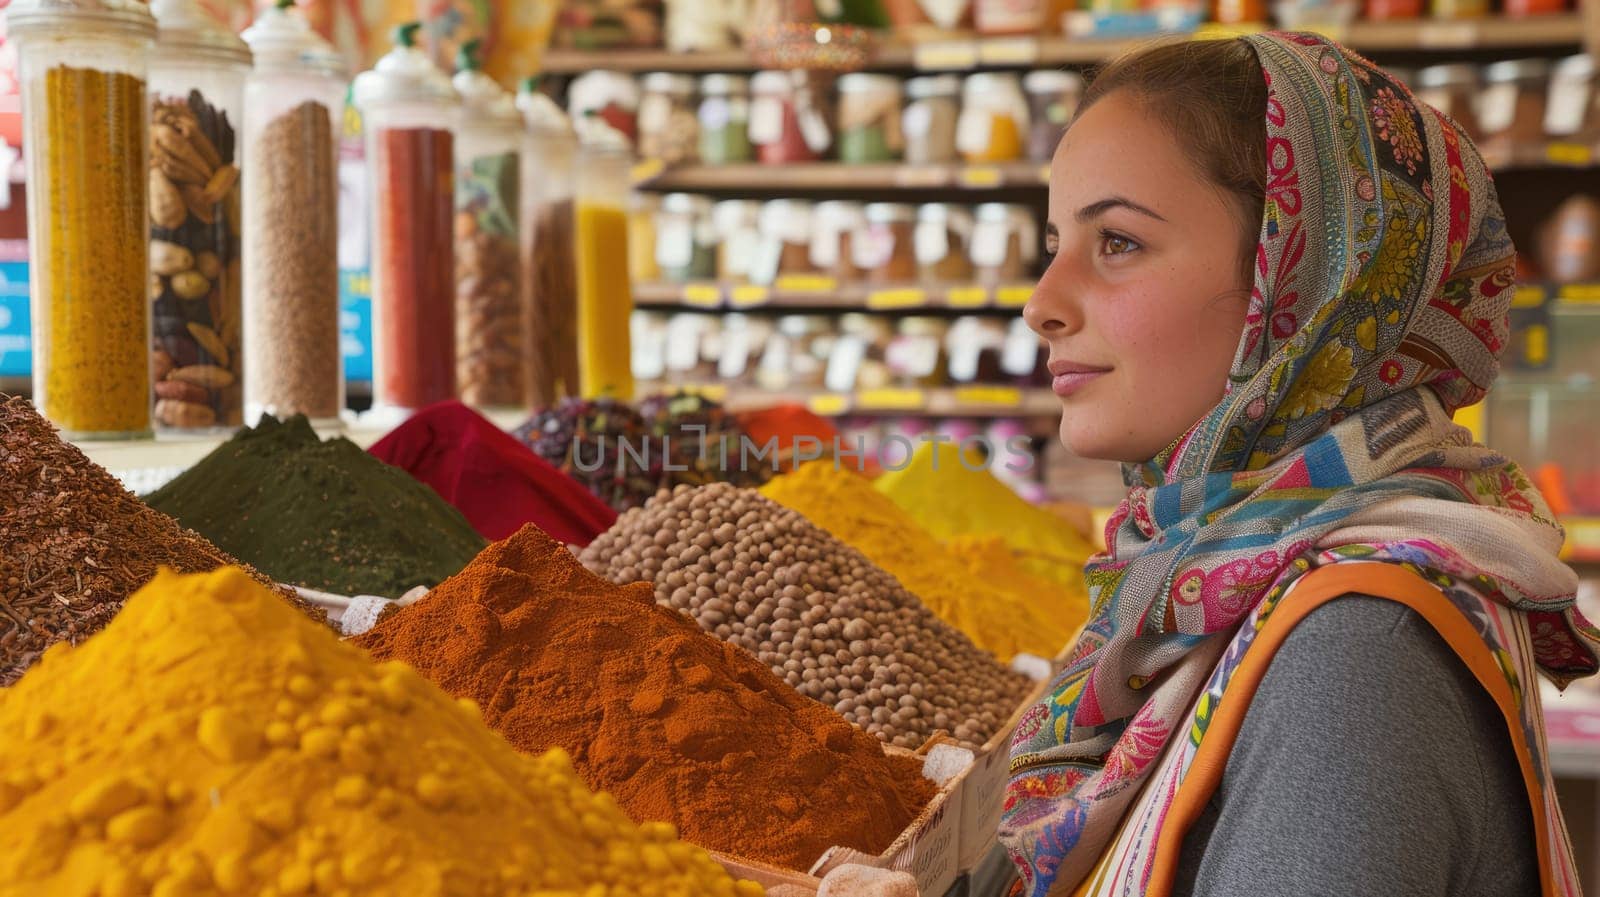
(959,401)
(840,176)
(822,293)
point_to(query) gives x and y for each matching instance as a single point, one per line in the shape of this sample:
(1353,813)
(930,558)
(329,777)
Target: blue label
(16,345)
(355,324)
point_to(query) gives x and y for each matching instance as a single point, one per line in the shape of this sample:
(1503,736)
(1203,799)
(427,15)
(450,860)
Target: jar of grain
(994,118)
(490,334)
(409,112)
(916,355)
(887,251)
(1571,111)
(1052,100)
(605,296)
(738,227)
(725,120)
(614,96)
(669,128)
(836,227)
(1569,243)
(686,239)
(83,66)
(550,297)
(857,357)
(1453,90)
(785,241)
(869,119)
(1004,243)
(294,104)
(1513,104)
(944,234)
(786,120)
(929,119)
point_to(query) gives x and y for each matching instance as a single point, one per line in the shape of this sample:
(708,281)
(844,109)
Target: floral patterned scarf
(1383,280)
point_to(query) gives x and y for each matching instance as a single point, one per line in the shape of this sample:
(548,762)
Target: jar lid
(890,212)
(404,74)
(542,114)
(1454,75)
(772,82)
(994,211)
(1579,66)
(685,204)
(670,83)
(981,83)
(599,89)
(933,86)
(724,84)
(185,29)
(129,17)
(1052,81)
(1517,70)
(487,103)
(281,39)
(858,82)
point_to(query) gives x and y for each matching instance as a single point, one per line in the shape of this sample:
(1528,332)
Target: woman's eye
(1116,244)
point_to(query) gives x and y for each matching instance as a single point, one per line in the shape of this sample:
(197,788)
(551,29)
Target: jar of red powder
(786,121)
(409,110)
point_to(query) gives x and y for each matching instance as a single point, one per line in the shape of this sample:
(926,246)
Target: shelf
(839,176)
(966,401)
(823,293)
(960,51)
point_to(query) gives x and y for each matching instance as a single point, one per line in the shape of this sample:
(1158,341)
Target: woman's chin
(1085,436)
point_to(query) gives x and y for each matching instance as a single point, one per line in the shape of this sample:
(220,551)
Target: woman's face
(1143,303)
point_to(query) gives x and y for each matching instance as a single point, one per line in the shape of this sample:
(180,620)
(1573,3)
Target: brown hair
(1213,97)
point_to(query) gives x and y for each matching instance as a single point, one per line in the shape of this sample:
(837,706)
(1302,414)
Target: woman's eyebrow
(1096,209)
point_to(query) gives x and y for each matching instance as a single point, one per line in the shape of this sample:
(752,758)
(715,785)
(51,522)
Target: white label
(922,356)
(932,242)
(989,244)
(715,113)
(1564,114)
(654,113)
(972,131)
(1497,106)
(830,9)
(825,247)
(944,13)
(814,128)
(735,353)
(741,249)
(683,342)
(917,120)
(764,267)
(844,365)
(775,360)
(1022,349)
(739,109)
(766,120)
(872,246)
(649,347)
(674,243)
(964,344)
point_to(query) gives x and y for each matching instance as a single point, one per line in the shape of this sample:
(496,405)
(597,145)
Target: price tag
(1581,292)
(648,170)
(891,399)
(828,404)
(1565,153)
(1218,31)
(1536,345)
(999,396)
(1009,51)
(702,295)
(1447,35)
(1013,296)
(1583,537)
(1528,297)
(904,297)
(921,176)
(749,296)
(980,177)
(806,283)
(945,55)
(966,297)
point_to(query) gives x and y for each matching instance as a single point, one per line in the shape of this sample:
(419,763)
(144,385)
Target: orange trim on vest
(1315,589)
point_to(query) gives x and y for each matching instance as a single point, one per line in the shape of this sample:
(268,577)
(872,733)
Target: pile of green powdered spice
(325,515)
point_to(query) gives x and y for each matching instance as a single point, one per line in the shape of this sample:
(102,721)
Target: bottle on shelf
(550,253)
(605,296)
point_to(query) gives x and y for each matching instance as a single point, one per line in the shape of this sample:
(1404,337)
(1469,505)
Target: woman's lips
(1067,377)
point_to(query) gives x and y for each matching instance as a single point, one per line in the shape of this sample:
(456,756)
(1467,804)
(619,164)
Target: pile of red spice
(676,724)
(491,477)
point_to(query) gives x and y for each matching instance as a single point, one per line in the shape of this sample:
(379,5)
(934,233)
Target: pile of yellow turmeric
(975,584)
(213,741)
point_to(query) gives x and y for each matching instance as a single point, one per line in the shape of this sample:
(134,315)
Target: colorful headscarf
(1382,284)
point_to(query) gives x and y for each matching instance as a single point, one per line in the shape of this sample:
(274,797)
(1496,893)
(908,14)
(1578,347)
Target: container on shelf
(491,336)
(614,96)
(998,18)
(1571,112)
(887,252)
(294,110)
(994,118)
(1241,12)
(785,241)
(409,112)
(1569,242)
(687,335)
(1053,97)
(1004,243)
(787,124)
(83,68)
(916,354)
(929,121)
(743,337)
(943,238)
(1453,89)
(973,346)
(836,227)
(869,119)
(686,239)
(669,129)
(725,120)
(1513,105)
(197,77)
(550,294)
(1459,9)
(1521,9)
(642,211)
(858,359)
(694,26)
(796,354)
(605,297)
(738,234)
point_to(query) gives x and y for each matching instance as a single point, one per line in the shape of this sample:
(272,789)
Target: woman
(1275,275)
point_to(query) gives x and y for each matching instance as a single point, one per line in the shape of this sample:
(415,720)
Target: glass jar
(1570,112)
(887,250)
(786,121)
(294,110)
(738,227)
(1459,9)
(550,297)
(686,239)
(916,355)
(1053,97)
(1392,10)
(943,238)
(1453,90)
(605,298)
(835,229)
(642,211)
(796,354)
(1513,104)
(613,96)
(1521,9)
(858,357)
(996,18)
(973,347)
(669,129)
(929,119)
(994,118)
(725,120)
(1239,12)
(742,339)
(85,129)
(197,77)
(785,241)
(1004,243)
(869,119)
(1569,243)
(490,333)
(409,111)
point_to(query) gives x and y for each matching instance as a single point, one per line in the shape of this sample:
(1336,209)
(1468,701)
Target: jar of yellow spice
(83,66)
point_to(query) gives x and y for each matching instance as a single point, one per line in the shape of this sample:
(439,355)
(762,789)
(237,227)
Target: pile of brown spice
(74,544)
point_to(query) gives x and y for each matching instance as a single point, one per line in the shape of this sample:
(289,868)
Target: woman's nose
(1051,310)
